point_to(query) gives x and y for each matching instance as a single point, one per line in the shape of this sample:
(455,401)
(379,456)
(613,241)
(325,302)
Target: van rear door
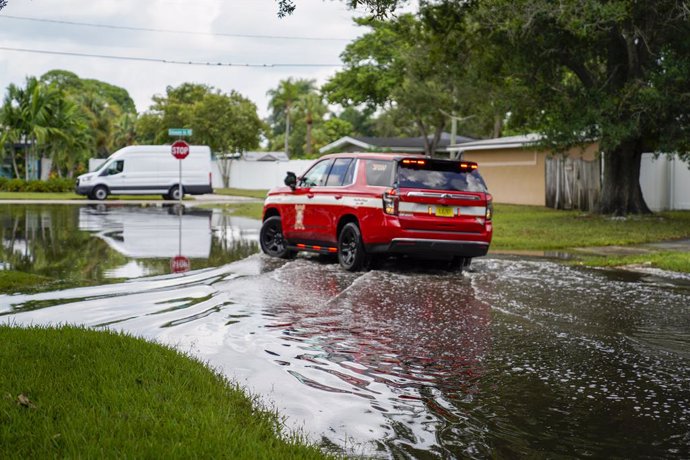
(441,195)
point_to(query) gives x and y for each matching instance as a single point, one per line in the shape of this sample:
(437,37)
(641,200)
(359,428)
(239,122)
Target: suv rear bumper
(427,247)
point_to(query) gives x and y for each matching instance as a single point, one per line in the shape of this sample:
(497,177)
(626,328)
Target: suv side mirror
(291,180)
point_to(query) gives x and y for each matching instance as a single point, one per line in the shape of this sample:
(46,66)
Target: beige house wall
(518,175)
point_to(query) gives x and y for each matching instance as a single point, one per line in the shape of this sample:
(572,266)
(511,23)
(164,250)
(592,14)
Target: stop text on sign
(180,150)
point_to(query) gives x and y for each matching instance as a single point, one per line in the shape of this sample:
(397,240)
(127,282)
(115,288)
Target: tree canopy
(576,71)
(225,122)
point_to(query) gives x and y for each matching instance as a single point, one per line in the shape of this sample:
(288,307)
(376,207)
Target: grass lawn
(259,194)
(77,393)
(538,228)
(40,196)
(14,281)
(544,229)
(71,196)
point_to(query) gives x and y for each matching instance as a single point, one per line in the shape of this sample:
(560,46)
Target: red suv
(362,205)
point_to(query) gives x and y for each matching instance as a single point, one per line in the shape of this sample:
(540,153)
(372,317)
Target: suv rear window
(436,175)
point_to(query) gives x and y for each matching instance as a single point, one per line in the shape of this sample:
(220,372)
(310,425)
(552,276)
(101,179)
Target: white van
(147,170)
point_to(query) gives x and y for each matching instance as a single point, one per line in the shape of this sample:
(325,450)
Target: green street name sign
(179,132)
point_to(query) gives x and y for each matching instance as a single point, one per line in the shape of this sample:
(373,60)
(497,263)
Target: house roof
(399,144)
(510,142)
(265,156)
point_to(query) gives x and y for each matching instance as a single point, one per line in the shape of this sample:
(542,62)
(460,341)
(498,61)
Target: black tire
(351,254)
(99,192)
(174,192)
(459,263)
(272,241)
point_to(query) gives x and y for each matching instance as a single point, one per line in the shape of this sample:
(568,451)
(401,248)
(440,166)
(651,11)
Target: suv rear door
(441,195)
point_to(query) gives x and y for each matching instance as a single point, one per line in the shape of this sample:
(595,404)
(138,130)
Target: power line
(171,31)
(159,60)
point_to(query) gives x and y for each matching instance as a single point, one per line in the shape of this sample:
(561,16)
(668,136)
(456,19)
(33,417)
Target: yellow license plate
(444,211)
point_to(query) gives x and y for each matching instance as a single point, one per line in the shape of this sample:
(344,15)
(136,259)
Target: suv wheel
(351,253)
(272,241)
(459,263)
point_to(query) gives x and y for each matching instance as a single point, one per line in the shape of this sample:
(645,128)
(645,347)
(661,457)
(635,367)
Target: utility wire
(159,60)
(171,31)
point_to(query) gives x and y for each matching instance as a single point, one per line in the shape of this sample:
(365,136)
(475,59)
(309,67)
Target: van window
(116,167)
(380,172)
(340,168)
(112,168)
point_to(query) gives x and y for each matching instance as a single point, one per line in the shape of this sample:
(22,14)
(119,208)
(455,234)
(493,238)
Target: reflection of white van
(150,233)
(147,170)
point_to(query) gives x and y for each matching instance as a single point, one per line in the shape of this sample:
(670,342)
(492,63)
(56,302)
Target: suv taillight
(390,202)
(489,207)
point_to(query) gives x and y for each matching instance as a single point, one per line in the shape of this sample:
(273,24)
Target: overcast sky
(324,19)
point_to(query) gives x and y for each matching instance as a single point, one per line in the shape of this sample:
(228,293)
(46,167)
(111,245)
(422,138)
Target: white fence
(665,182)
(259,174)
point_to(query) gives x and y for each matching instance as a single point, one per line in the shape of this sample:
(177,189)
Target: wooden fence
(572,183)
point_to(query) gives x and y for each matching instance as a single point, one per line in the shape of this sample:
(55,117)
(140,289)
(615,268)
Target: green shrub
(58,185)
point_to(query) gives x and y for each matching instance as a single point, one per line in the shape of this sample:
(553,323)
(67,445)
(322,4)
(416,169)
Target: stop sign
(179,264)
(180,150)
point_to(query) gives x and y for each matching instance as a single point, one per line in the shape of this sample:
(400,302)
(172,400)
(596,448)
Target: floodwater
(518,358)
(100,243)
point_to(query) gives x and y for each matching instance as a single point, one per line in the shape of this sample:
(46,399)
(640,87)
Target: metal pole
(179,184)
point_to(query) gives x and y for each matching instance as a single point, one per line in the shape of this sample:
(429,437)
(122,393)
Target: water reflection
(97,243)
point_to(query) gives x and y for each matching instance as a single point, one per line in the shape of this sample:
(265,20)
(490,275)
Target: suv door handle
(338,197)
(310,195)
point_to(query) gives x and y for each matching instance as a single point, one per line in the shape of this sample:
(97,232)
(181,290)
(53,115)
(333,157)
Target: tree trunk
(287,130)
(498,126)
(308,148)
(14,163)
(621,192)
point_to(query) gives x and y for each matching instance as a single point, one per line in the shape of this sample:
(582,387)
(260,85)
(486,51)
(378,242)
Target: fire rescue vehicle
(360,206)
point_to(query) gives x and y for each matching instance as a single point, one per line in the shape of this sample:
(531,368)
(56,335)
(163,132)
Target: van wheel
(99,193)
(175,192)
(272,240)
(351,254)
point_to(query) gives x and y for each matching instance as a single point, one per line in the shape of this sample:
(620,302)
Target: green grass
(259,194)
(78,393)
(674,261)
(14,281)
(40,196)
(72,196)
(538,228)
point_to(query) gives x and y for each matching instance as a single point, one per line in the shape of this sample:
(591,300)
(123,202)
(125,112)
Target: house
(390,144)
(265,156)
(517,171)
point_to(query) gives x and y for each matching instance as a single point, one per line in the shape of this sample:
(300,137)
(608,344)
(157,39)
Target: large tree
(227,123)
(615,71)
(419,72)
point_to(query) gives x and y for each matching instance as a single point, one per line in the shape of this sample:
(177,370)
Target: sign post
(180,150)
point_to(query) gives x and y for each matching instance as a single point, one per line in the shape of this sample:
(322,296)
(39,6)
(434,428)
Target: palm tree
(312,105)
(283,98)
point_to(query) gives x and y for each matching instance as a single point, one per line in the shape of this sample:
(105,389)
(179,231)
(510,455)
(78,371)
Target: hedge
(45,186)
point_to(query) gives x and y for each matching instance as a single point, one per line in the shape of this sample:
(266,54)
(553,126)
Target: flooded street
(515,358)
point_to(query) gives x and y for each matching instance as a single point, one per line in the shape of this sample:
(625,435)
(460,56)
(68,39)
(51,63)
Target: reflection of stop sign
(179,264)
(180,150)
